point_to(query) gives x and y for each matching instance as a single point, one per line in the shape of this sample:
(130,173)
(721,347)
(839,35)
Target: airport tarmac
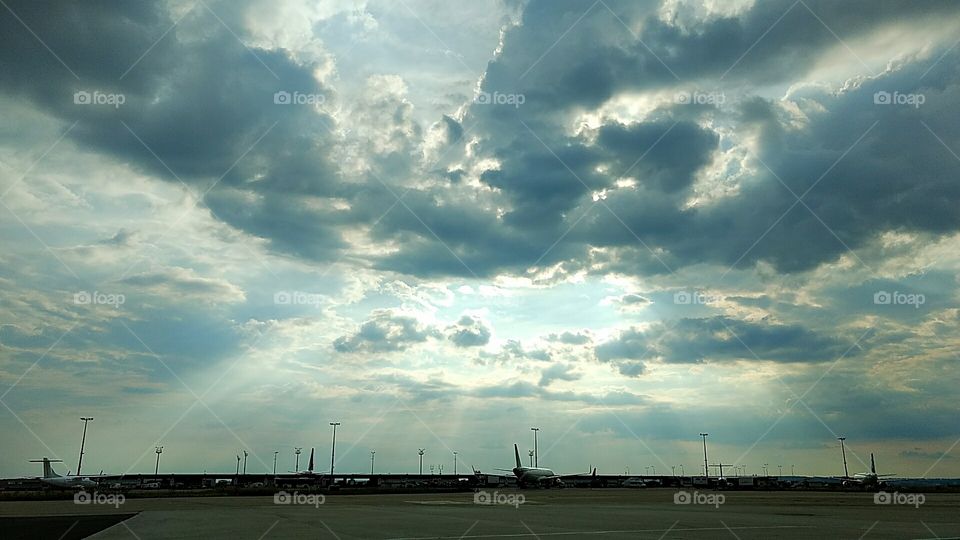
(572,513)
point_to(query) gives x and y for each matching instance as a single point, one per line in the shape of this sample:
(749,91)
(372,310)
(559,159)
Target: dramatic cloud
(552,212)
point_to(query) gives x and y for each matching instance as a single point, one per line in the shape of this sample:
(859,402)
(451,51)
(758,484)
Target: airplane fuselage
(70,482)
(534,475)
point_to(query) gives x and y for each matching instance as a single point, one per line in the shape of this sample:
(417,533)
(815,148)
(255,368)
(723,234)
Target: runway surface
(600,514)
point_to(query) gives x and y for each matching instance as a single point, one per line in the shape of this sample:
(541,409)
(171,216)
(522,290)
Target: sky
(226,224)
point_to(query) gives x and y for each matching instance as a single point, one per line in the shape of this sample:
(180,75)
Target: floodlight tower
(843,452)
(82,441)
(536,452)
(333,447)
(706,470)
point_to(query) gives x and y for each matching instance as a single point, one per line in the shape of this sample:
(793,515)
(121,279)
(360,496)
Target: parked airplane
(66,482)
(536,476)
(867,479)
(309,471)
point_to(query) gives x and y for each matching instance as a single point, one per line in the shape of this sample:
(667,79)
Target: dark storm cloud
(468,332)
(722,338)
(599,57)
(869,168)
(203,103)
(679,150)
(385,331)
(897,177)
(198,105)
(479,244)
(543,184)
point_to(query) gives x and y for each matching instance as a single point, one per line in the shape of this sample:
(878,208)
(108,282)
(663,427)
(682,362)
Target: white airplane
(536,476)
(69,481)
(867,479)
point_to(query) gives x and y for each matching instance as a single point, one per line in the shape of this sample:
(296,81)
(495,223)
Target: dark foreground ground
(602,514)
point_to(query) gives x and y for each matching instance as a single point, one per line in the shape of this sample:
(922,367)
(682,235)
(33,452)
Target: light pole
(245,462)
(654,469)
(420,451)
(454,463)
(333,447)
(791,471)
(159,450)
(536,452)
(843,452)
(296,451)
(681,469)
(780,468)
(765,469)
(673,470)
(275,452)
(706,470)
(238,466)
(82,441)
(372,453)
(531,457)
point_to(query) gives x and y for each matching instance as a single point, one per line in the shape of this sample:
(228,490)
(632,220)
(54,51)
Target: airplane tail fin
(310,465)
(48,471)
(873,465)
(516,452)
